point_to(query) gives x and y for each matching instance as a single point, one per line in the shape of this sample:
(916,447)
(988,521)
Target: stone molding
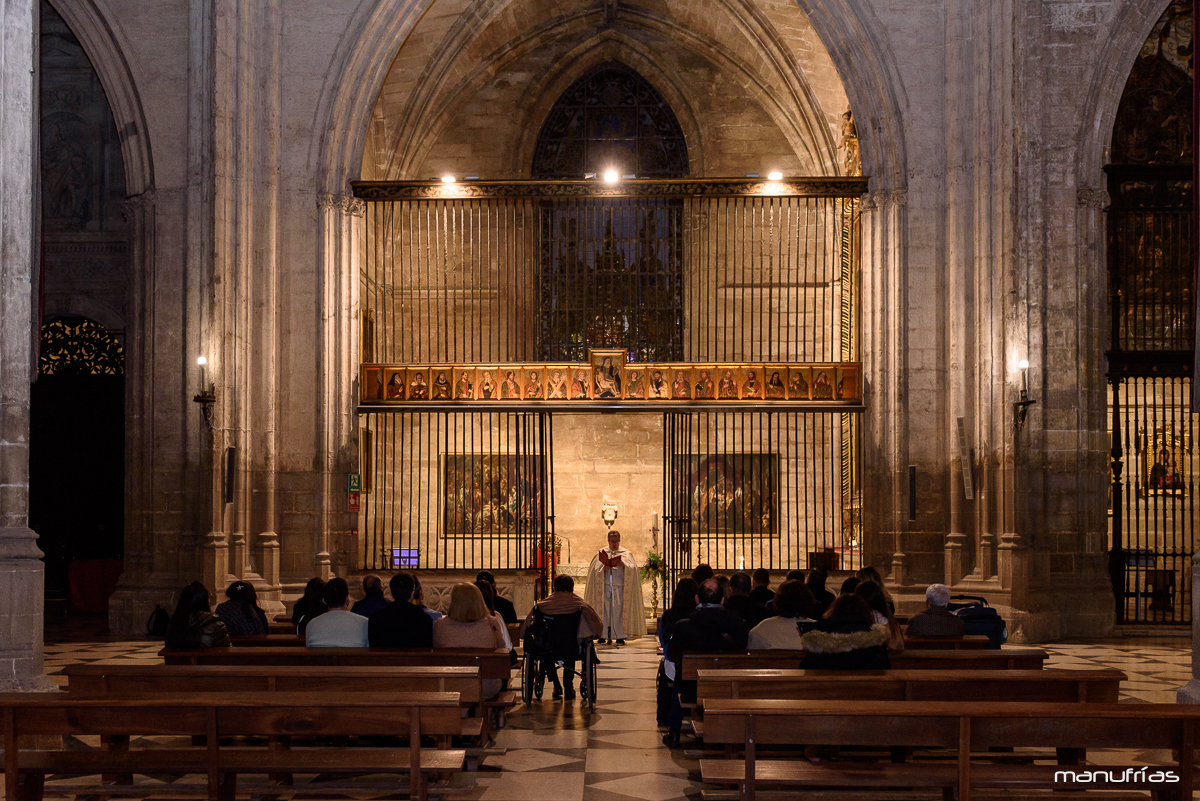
(1093,198)
(346,203)
(137,203)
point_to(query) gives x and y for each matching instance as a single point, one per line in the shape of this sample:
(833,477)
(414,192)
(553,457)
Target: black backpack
(158,622)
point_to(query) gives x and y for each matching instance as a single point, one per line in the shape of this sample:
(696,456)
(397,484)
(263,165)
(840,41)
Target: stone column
(21,571)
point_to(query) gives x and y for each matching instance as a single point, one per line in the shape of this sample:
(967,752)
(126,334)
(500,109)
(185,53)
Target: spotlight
(448,179)
(1023,364)
(610,176)
(775,175)
(200,360)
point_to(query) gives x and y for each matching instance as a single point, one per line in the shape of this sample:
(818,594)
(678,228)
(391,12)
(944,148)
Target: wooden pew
(288,638)
(213,716)
(100,681)
(1004,659)
(968,728)
(492,663)
(1057,686)
(967,642)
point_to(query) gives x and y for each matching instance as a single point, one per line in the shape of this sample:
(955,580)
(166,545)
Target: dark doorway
(77,448)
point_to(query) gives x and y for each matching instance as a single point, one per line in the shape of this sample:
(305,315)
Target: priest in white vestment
(614,588)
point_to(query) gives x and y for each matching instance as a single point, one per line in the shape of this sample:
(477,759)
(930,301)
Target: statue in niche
(66,173)
(852,162)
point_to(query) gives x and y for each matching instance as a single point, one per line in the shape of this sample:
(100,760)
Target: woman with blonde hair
(467,624)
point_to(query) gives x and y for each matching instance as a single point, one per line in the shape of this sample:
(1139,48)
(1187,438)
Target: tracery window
(611,274)
(79,346)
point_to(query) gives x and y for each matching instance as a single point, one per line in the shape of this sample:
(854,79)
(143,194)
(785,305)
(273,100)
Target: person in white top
(339,627)
(793,604)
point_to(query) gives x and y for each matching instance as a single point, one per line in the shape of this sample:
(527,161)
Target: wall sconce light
(448,179)
(774,175)
(608,513)
(1021,407)
(208,394)
(610,176)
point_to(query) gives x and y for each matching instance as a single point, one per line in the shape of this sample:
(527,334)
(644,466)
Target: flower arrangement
(655,569)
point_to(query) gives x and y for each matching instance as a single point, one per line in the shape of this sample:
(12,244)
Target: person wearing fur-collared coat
(846,639)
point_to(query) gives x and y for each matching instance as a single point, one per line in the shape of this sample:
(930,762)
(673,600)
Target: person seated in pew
(373,599)
(504,607)
(489,598)
(711,627)
(193,625)
(401,624)
(683,603)
(816,585)
(741,604)
(869,573)
(419,600)
(849,585)
(339,627)
(937,620)
(792,575)
(872,593)
(762,593)
(702,573)
(241,614)
(468,625)
(310,604)
(846,639)
(793,606)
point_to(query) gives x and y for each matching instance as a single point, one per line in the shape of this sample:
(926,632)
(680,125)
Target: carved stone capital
(900,196)
(132,205)
(1093,198)
(345,203)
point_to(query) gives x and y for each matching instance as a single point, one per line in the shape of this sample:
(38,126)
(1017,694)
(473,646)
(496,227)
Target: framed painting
(510,383)
(847,387)
(727,383)
(418,384)
(579,383)
(534,386)
(705,382)
(776,382)
(681,383)
(634,382)
(491,495)
(799,386)
(487,384)
(822,383)
(733,493)
(557,376)
(750,382)
(658,382)
(395,385)
(464,383)
(440,386)
(606,373)
(371,386)
(1164,463)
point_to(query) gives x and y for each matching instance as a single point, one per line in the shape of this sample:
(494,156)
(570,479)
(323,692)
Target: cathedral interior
(312,289)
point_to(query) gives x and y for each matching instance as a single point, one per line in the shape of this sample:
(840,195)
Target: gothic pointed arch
(610,118)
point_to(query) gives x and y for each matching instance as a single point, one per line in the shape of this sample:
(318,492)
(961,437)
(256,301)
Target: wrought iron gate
(743,490)
(1152,502)
(458,491)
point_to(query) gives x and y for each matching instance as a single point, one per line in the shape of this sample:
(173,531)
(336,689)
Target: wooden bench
(968,728)
(100,681)
(1004,659)
(242,640)
(968,642)
(214,716)
(492,663)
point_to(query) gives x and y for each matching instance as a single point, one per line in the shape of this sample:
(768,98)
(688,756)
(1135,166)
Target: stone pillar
(1190,692)
(21,571)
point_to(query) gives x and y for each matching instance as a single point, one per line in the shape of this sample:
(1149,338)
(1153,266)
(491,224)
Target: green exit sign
(353,482)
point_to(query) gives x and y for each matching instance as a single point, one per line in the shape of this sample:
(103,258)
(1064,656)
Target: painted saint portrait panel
(606,373)
(439,383)
(556,381)
(734,493)
(489,495)
(534,387)
(705,386)
(799,383)
(464,383)
(822,385)
(510,383)
(750,381)
(418,385)
(487,386)
(776,388)
(635,383)
(1165,461)
(658,383)
(681,383)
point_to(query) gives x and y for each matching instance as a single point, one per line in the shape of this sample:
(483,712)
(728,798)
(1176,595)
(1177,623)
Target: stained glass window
(611,118)
(611,272)
(79,346)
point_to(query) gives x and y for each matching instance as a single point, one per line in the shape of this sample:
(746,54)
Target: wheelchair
(550,639)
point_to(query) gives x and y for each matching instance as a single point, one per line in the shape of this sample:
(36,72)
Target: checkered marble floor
(555,751)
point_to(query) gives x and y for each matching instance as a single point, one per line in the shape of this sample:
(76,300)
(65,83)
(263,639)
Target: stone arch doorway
(77,459)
